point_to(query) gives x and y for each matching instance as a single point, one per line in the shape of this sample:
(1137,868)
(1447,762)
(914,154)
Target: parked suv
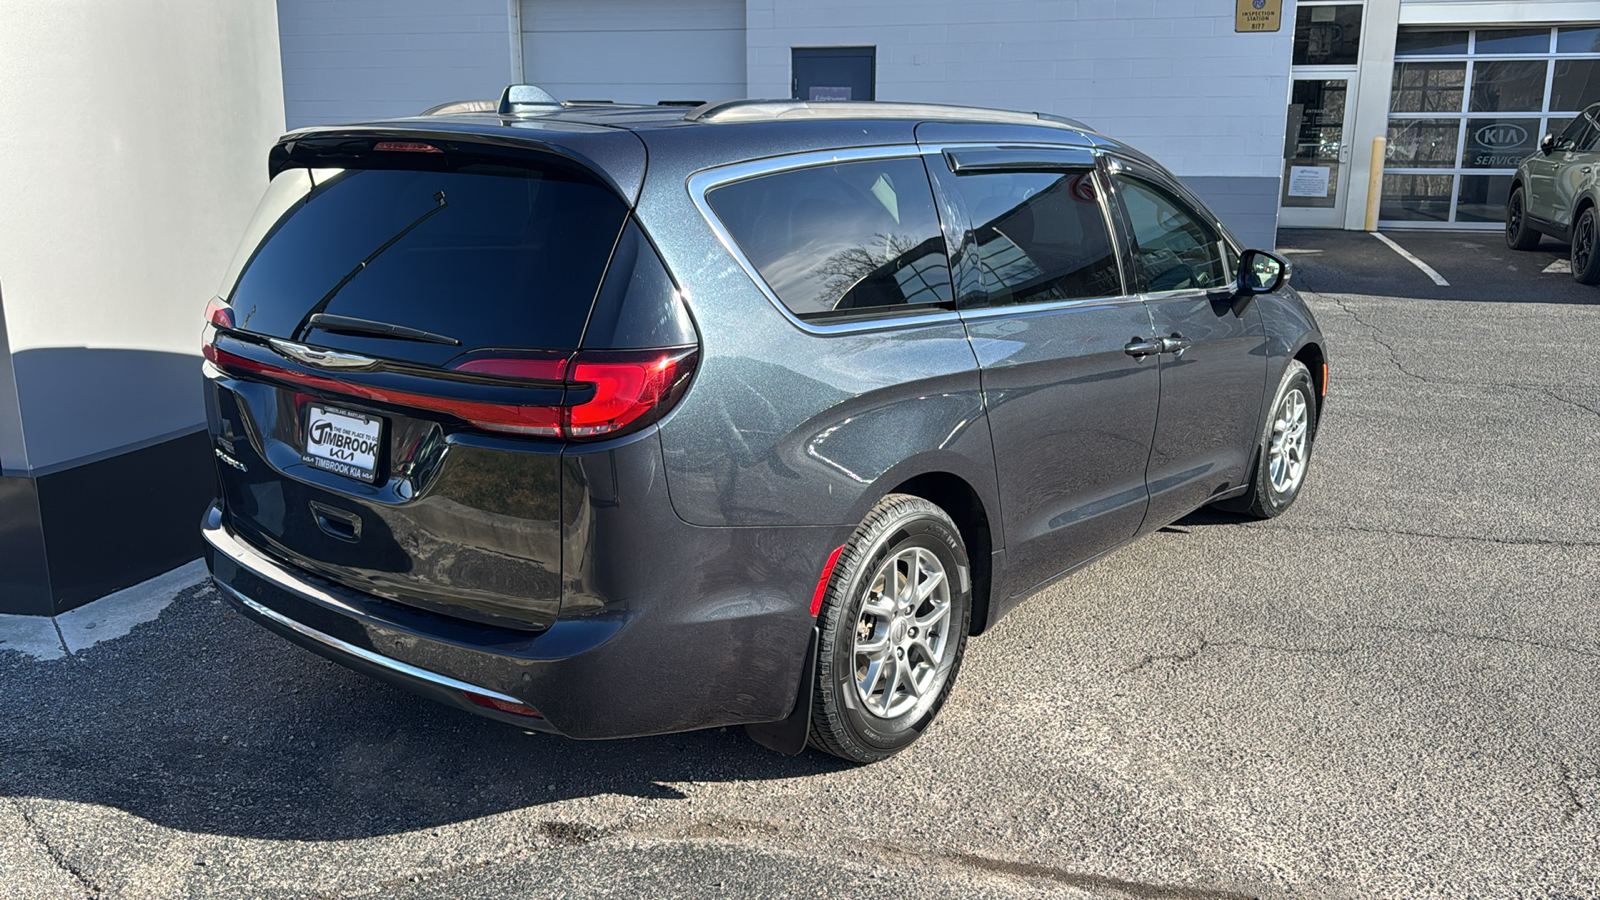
(1555,192)
(609,421)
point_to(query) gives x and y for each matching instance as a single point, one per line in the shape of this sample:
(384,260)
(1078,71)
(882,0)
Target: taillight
(613,390)
(218,315)
(520,709)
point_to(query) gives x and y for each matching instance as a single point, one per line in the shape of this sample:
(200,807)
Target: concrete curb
(112,616)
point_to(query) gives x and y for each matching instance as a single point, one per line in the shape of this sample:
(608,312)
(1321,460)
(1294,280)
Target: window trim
(703,182)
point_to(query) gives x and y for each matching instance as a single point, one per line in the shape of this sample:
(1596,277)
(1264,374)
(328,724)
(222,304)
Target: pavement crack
(1486,638)
(1401,532)
(1574,802)
(1150,659)
(1140,889)
(56,856)
(1379,337)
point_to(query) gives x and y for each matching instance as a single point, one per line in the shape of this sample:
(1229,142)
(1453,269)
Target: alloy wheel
(902,635)
(1583,242)
(1286,456)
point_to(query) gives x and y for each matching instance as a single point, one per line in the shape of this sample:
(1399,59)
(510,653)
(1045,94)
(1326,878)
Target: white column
(1379,21)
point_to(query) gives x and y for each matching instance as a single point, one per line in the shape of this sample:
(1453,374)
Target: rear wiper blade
(352,325)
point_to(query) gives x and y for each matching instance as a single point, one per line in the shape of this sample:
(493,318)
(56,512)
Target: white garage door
(635,51)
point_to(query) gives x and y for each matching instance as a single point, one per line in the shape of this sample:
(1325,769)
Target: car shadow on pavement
(205,722)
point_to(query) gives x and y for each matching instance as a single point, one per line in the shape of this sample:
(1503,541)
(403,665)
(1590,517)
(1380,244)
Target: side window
(1039,236)
(841,240)
(1576,134)
(1176,248)
(1591,138)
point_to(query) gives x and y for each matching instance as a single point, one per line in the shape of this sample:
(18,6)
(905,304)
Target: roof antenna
(519,99)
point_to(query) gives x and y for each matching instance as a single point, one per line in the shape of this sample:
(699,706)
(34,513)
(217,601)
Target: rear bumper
(630,670)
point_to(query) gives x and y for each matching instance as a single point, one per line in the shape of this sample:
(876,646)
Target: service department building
(120,225)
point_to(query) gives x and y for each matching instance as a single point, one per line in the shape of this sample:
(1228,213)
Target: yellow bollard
(1375,182)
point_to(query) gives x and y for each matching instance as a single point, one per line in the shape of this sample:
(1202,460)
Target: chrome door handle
(1142,347)
(1175,344)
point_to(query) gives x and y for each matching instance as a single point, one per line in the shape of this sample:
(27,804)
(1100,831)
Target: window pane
(846,238)
(1508,86)
(1039,236)
(1414,42)
(1416,198)
(1483,198)
(1422,143)
(1576,85)
(1428,87)
(1176,249)
(1327,35)
(1585,39)
(468,250)
(1499,143)
(1513,40)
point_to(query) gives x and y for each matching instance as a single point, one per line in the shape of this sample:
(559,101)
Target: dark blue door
(834,73)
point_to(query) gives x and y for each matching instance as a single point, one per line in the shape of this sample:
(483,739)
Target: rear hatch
(398,361)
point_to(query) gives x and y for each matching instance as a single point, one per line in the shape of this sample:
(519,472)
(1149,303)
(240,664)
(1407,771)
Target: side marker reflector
(822,583)
(495,703)
(1324,379)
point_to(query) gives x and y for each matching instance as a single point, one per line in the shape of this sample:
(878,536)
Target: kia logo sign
(1501,136)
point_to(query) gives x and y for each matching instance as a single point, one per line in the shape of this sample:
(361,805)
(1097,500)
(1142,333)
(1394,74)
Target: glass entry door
(1316,153)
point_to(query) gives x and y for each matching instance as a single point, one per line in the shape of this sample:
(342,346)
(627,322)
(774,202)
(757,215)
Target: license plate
(342,441)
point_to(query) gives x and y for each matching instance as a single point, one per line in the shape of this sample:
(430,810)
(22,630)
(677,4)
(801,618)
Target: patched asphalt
(1389,691)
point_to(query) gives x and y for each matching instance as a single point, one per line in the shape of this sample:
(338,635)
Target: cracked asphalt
(1388,692)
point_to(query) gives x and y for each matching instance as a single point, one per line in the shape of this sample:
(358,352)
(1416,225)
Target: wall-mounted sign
(1258,15)
(829,93)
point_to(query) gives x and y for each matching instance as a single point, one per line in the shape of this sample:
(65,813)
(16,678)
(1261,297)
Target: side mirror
(1547,143)
(1261,272)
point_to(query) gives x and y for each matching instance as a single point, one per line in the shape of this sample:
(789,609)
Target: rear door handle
(1142,347)
(1175,344)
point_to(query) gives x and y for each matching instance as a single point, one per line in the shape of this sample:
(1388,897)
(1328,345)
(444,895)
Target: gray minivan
(620,420)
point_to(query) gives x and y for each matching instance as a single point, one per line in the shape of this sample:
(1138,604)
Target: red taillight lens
(219,313)
(502,705)
(625,389)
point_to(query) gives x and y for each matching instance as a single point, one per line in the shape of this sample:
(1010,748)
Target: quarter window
(848,239)
(1039,237)
(1176,249)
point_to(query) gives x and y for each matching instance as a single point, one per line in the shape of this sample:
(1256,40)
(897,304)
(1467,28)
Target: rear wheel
(1585,254)
(1519,236)
(894,626)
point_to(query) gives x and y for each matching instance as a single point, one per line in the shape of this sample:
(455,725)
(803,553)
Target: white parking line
(1426,269)
(1559,267)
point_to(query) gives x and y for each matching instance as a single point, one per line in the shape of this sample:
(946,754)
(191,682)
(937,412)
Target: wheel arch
(1312,356)
(958,498)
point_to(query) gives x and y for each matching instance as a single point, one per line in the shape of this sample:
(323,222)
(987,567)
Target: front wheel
(1285,448)
(1519,236)
(894,624)
(1585,253)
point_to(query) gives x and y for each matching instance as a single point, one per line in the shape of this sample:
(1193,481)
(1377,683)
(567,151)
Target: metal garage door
(638,51)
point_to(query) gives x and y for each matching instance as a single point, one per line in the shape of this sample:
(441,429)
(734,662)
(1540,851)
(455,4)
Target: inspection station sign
(1258,15)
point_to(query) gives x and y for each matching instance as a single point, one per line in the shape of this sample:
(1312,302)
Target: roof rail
(456,107)
(527,98)
(768,110)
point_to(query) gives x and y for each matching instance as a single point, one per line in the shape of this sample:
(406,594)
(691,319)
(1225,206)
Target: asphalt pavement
(1389,691)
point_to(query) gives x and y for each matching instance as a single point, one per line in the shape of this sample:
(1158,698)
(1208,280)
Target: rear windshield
(488,256)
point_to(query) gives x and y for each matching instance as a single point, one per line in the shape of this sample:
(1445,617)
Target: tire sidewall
(923,526)
(1591,274)
(1270,500)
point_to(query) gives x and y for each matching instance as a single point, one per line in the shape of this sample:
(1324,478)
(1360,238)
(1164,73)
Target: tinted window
(1039,237)
(1177,250)
(639,306)
(1409,42)
(1508,85)
(1327,35)
(843,239)
(495,257)
(1576,84)
(1513,40)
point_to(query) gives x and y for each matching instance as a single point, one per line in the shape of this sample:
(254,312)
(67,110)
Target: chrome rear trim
(263,568)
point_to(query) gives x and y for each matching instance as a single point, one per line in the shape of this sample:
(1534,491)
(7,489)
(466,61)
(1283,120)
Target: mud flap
(788,736)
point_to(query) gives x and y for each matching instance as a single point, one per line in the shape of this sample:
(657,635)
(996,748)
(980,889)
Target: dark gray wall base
(102,526)
(1248,206)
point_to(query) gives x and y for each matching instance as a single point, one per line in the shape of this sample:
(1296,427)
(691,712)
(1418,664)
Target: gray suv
(608,420)
(1556,192)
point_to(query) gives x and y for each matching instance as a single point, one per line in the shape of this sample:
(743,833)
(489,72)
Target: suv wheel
(893,625)
(1585,253)
(1519,236)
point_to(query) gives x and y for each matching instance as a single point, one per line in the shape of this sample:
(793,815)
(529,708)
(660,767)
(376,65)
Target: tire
(1586,247)
(1282,462)
(1519,234)
(873,723)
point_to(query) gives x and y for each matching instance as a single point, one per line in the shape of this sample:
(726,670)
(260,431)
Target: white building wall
(356,60)
(134,139)
(1168,76)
